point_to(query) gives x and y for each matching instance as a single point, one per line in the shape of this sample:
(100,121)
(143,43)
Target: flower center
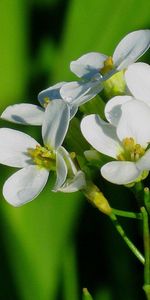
(131,151)
(43,157)
(108,66)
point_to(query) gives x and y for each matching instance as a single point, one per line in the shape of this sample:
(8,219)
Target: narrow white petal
(78,93)
(73,111)
(131,47)
(75,184)
(74,90)
(25,185)
(55,124)
(113,108)
(26,114)
(120,172)
(61,170)
(72,170)
(135,122)
(137,78)
(13,147)
(88,65)
(101,135)
(144,162)
(51,93)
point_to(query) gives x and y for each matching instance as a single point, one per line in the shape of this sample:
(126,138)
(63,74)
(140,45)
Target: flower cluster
(123,135)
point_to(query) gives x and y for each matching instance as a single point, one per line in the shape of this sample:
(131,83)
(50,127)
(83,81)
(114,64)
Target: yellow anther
(131,151)
(108,65)
(43,157)
(46,101)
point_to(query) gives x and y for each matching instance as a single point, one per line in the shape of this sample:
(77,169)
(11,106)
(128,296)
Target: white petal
(55,124)
(70,165)
(61,169)
(131,47)
(73,185)
(26,114)
(120,172)
(144,162)
(51,93)
(137,78)
(25,185)
(88,65)
(113,108)
(101,135)
(78,93)
(13,147)
(73,111)
(135,122)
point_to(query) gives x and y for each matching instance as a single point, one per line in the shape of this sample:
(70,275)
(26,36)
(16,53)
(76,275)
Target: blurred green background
(56,245)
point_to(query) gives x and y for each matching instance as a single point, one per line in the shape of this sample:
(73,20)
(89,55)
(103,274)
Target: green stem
(122,233)
(137,190)
(127,214)
(146,238)
(147,199)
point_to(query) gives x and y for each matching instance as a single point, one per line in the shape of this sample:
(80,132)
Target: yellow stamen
(131,150)
(46,101)
(108,65)
(43,157)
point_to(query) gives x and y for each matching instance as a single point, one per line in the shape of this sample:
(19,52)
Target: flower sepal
(115,85)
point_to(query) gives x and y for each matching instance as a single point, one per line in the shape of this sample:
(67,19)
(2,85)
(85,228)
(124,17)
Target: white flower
(94,68)
(19,150)
(125,138)
(30,114)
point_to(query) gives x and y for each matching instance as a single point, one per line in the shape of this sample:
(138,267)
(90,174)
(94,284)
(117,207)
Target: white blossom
(94,68)
(125,138)
(19,150)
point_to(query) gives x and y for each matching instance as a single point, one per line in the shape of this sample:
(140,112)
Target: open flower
(94,68)
(30,114)
(19,150)
(125,138)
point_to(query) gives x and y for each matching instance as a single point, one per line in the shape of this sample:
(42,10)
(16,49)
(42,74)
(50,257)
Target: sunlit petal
(51,93)
(88,64)
(13,147)
(24,113)
(25,185)
(131,47)
(61,170)
(137,78)
(101,135)
(113,108)
(135,122)
(78,93)
(70,165)
(75,184)
(144,162)
(55,124)
(120,172)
